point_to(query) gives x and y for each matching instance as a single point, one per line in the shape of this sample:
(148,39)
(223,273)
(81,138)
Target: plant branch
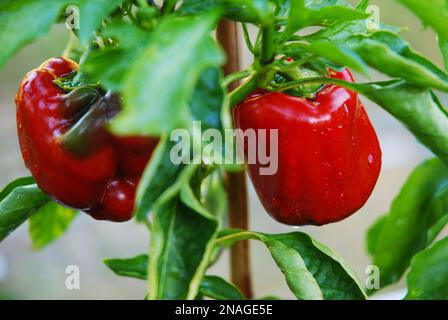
(238,95)
(294,64)
(228,36)
(235,237)
(168,6)
(247,38)
(72,47)
(293,84)
(267,44)
(235,77)
(148,225)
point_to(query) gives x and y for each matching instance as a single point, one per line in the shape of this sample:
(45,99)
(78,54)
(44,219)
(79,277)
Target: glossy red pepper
(101,183)
(329,157)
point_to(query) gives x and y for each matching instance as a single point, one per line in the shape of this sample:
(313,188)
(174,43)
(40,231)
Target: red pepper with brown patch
(101,183)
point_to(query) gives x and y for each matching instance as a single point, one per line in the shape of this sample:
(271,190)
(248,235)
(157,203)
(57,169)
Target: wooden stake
(228,37)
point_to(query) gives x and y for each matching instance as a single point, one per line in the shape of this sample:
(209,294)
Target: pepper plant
(135,70)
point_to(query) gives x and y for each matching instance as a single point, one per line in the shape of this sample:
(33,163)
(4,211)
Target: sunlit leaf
(311,270)
(19,24)
(48,223)
(429,271)
(168,76)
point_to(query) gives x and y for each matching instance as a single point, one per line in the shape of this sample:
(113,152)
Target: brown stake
(228,37)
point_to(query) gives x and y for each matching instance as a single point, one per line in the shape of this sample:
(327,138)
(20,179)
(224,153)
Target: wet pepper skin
(329,157)
(103,183)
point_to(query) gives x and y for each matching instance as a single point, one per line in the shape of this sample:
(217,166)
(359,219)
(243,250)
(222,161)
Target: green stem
(257,42)
(293,84)
(267,44)
(243,235)
(295,64)
(148,225)
(168,6)
(71,46)
(79,76)
(247,38)
(240,93)
(236,76)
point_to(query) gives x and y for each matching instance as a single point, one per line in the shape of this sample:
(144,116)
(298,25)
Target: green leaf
(337,53)
(409,226)
(335,278)
(362,5)
(20,26)
(269,297)
(208,98)
(443,43)
(48,223)
(135,267)
(255,11)
(438,225)
(437,213)
(18,201)
(14,184)
(206,107)
(432,13)
(160,174)
(91,14)
(373,234)
(214,199)
(341,31)
(219,289)
(192,7)
(109,65)
(312,270)
(305,13)
(181,242)
(293,267)
(400,46)
(416,107)
(211,286)
(214,195)
(170,82)
(428,278)
(22,21)
(388,53)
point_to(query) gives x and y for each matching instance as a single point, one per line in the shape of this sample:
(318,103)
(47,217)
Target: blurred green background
(28,274)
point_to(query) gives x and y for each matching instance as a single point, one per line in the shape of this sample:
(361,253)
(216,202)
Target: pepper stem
(240,93)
